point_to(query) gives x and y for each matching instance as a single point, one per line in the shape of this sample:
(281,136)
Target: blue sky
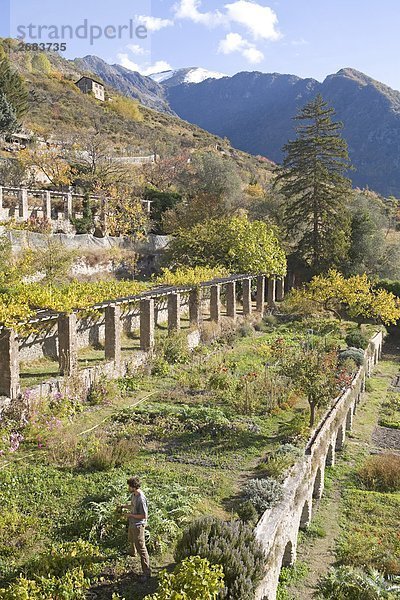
(309,38)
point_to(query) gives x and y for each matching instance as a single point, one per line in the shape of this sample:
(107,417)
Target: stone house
(89,85)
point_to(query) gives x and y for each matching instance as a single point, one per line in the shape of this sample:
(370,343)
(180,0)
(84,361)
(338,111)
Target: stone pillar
(271,289)
(215,304)
(147,324)
(349,418)
(47,205)
(9,364)
(330,456)
(113,330)
(247,306)
(231,299)
(280,289)
(318,487)
(67,346)
(23,204)
(174,316)
(1,198)
(341,434)
(195,307)
(260,294)
(68,206)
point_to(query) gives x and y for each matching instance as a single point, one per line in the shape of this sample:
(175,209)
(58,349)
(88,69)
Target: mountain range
(255,111)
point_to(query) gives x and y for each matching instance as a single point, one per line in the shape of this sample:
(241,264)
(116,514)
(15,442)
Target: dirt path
(316,552)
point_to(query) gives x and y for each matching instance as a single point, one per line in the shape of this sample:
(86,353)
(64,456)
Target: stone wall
(278,528)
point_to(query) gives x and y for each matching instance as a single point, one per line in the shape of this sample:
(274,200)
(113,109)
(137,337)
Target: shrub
(104,455)
(245,330)
(263,493)
(279,462)
(295,430)
(355,339)
(66,557)
(233,546)
(381,473)
(349,583)
(355,354)
(247,513)
(194,578)
(174,348)
(104,391)
(71,586)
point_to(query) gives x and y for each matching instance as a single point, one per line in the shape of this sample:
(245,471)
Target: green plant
(294,430)
(71,586)
(68,556)
(174,348)
(247,512)
(231,545)
(355,354)
(193,579)
(381,473)
(104,391)
(263,493)
(349,583)
(356,339)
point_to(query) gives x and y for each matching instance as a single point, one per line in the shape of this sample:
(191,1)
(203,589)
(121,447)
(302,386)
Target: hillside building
(88,85)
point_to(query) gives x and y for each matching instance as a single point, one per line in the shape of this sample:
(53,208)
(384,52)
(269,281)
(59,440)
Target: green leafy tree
(313,375)
(8,116)
(193,579)
(240,245)
(13,88)
(41,64)
(312,179)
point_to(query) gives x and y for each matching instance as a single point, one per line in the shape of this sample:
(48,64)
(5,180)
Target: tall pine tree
(13,88)
(313,181)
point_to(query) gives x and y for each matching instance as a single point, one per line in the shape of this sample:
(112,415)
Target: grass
(182,431)
(364,533)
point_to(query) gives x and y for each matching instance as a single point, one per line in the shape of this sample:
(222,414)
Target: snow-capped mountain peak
(189,75)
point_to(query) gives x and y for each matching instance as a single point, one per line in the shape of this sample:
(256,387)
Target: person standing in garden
(137,524)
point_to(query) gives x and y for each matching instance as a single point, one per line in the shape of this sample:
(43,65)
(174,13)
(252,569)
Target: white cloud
(234,42)
(136,49)
(189,9)
(260,21)
(153,23)
(146,69)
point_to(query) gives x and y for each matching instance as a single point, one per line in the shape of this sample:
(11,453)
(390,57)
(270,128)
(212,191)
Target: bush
(355,339)
(247,513)
(174,348)
(263,493)
(280,461)
(349,583)
(67,557)
(381,473)
(71,586)
(233,546)
(296,429)
(193,579)
(355,354)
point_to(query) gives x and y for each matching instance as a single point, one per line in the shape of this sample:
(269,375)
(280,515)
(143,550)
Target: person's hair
(134,482)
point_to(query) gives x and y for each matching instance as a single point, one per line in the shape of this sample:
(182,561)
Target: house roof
(91,79)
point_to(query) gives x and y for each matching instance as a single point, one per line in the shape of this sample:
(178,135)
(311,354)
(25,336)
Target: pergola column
(195,307)
(67,344)
(68,205)
(215,303)
(280,289)
(147,324)
(23,204)
(247,306)
(174,317)
(47,205)
(113,333)
(260,293)
(9,364)
(230,291)
(271,289)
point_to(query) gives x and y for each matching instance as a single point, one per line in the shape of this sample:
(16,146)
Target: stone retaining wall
(278,528)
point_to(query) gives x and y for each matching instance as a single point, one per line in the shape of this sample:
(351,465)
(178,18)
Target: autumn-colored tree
(240,245)
(354,296)
(51,162)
